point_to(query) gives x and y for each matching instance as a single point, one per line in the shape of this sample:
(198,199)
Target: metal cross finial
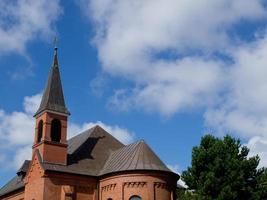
(55,42)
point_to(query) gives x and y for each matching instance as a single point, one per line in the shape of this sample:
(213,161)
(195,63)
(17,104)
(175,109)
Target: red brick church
(90,166)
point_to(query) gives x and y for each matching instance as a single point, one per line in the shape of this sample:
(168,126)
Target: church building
(93,165)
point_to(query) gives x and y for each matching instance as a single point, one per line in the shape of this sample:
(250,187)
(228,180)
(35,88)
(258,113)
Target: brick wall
(147,185)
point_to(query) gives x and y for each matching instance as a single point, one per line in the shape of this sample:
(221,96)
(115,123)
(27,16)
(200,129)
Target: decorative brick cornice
(161,185)
(140,184)
(108,187)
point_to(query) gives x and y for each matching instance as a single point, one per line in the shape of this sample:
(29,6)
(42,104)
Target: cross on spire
(55,42)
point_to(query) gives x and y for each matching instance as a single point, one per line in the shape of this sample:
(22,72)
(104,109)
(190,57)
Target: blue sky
(166,71)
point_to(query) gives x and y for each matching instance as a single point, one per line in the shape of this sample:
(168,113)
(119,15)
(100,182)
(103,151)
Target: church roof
(136,156)
(53,97)
(87,152)
(24,168)
(13,185)
(16,182)
(95,152)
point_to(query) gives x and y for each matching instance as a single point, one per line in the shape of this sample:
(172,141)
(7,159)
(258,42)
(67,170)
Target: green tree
(221,170)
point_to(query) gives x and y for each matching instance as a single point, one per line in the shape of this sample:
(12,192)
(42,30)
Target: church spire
(55,59)
(53,97)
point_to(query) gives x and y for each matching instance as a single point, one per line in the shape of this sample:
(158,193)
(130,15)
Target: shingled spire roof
(53,98)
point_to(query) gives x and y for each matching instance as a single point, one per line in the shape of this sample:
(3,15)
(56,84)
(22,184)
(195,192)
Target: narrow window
(40,131)
(135,198)
(55,130)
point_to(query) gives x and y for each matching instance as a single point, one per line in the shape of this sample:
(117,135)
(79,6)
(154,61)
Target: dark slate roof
(96,153)
(16,182)
(136,156)
(53,97)
(23,169)
(87,152)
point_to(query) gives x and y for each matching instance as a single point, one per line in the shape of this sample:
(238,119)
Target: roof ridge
(153,152)
(86,132)
(79,134)
(119,151)
(97,126)
(131,158)
(131,144)
(139,150)
(135,156)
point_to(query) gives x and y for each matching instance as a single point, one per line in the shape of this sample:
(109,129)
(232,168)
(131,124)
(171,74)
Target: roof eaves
(18,185)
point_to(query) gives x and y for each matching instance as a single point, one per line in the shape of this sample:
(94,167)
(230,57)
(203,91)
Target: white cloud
(174,87)
(16,128)
(172,53)
(24,20)
(21,154)
(134,27)
(257,146)
(165,48)
(244,110)
(175,169)
(17,132)
(32,103)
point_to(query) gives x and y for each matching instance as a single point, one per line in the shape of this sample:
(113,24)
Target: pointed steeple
(53,97)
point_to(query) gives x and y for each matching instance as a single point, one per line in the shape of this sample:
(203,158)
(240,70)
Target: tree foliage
(222,170)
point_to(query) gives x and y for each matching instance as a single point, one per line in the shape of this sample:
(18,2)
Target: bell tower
(51,120)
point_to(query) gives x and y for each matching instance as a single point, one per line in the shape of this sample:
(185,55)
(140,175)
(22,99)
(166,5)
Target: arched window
(55,130)
(40,131)
(109,198)
(135,198)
